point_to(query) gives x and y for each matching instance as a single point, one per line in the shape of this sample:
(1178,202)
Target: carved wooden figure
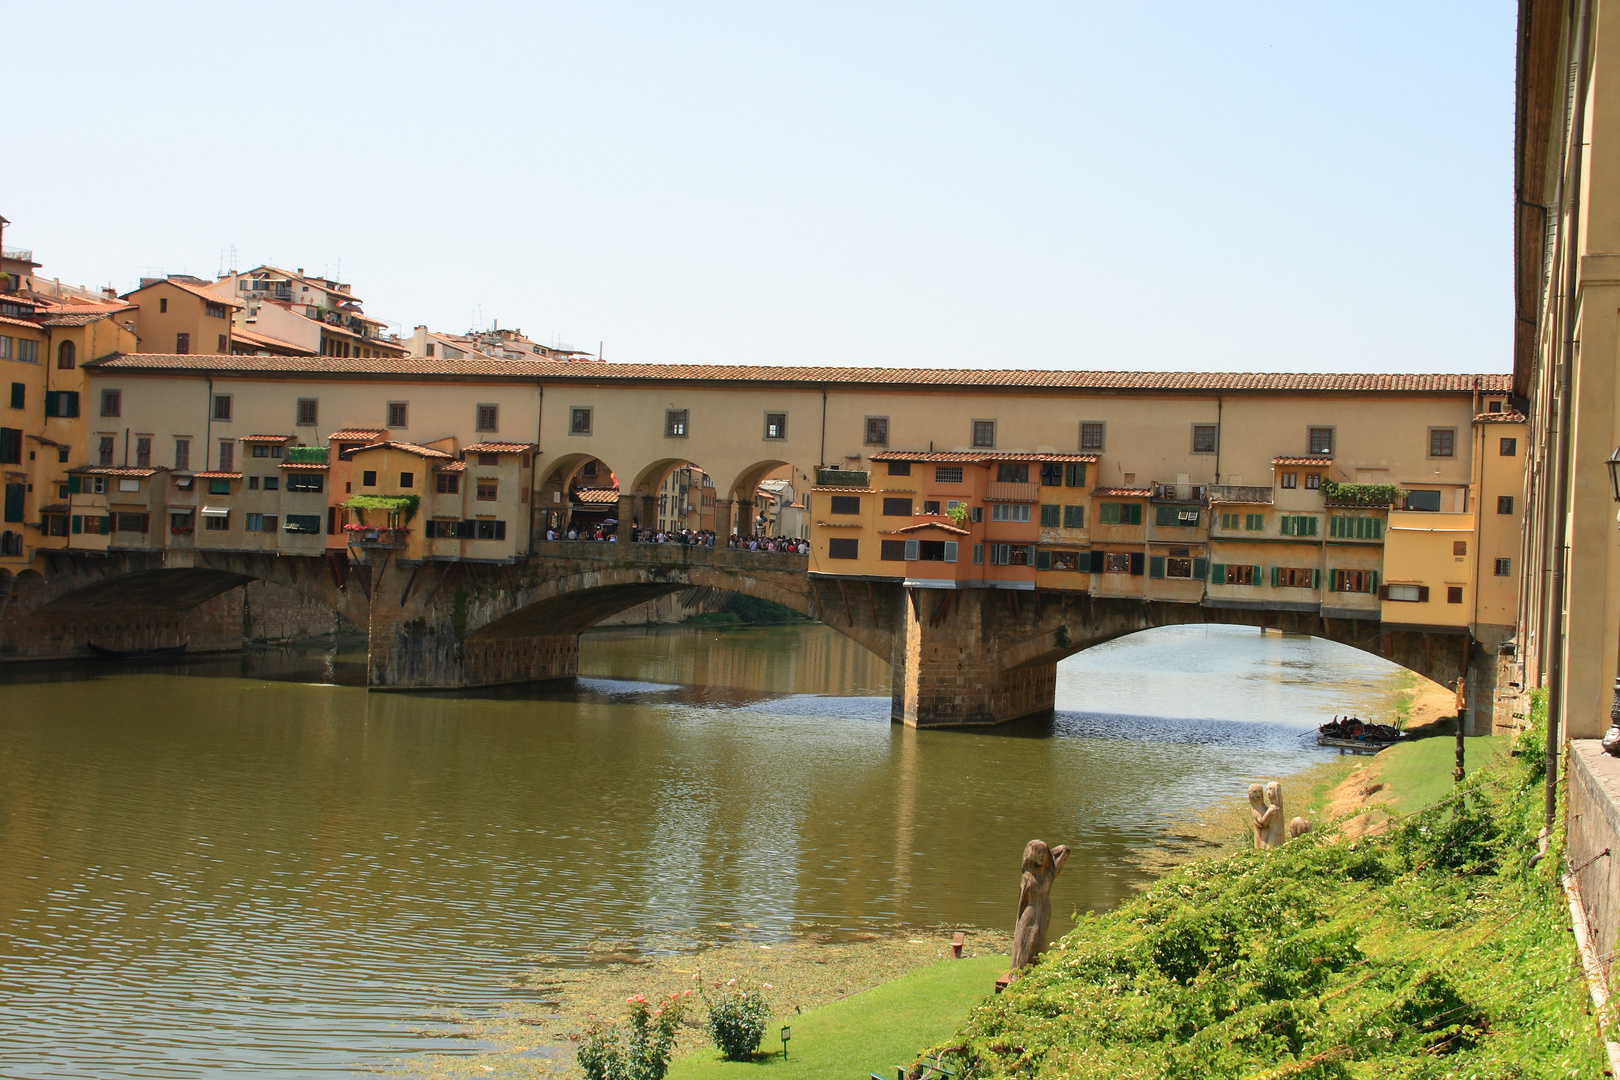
(1041,868)
(1276,824)
(1262,815)
(1298,827)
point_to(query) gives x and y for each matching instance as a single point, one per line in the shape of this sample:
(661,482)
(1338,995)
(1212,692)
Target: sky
(1241,186)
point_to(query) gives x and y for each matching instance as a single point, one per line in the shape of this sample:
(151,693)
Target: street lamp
(1611,739)
(787,1033)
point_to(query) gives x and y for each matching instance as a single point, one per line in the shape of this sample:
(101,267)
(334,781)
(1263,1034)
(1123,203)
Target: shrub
(737,1020)
(643,1052)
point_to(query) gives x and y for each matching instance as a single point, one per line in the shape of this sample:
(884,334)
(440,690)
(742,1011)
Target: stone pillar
(948,668)
(724,518)
(629,513)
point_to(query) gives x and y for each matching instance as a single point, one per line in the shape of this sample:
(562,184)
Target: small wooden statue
(1041,868)
(1263,815)
(1276,824)
(1298,827)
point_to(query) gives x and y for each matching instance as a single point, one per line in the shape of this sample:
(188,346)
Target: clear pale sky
(1243,186)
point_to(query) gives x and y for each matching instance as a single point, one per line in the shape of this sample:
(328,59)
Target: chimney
(109,292)
(300,271)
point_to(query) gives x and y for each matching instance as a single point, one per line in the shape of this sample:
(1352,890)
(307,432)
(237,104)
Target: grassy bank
(1429,949)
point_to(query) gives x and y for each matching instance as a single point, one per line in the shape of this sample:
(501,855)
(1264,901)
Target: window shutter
(1217,573)
(1310,528)
(1136,514)
(1200,569)
(1097,562)
(1136,561)
(75,485)
(1316,576)
(1274,577)
(146,523)
(1423,594)
(911,551)
(1155,566)
(950,550)
(1043,560)
(1372,583)
(978,554)
(78,524)
(1257,579)
(1383,592)
(106,526)
(500,530)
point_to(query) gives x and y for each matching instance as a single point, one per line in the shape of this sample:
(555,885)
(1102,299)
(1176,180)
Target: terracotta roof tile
(195,290)
(266,438)
(78,318)
(10,320)
(1501,418)
(113,470)
(451,466)
(499,448)
(941,525)
(305,466)
(976,456)
(350,434)
(252,337)
(408,447)
(1323,460)
(596,495)
(474,367)
(218,475)
(1124,493)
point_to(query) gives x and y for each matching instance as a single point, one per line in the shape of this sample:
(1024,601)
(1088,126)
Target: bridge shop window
(877,432)
(487,418)
(303,523)
(216,520)
(1356,528)
(1012,473)
(260,523)
(222,407)
(1297,525)
(1353,581)
(1117,562)
(182,523)
(1234,574)
(1065,560)
(843,547)
(396,414)
(844,504)
(947,474)
(489,530)
(1442,442)
(1177,563)
(1504,567)
(1184,517)
(579,421)
(897,508)
(984,436)
(899,468)
(1119,514)
(1012,555)
(1093,434)
(675,423)
(112,403)
(305,481)
(776,425)
(892,550)
(1074,474)
(1074,517)
(1295,577)
(487,490)
(1509,447)
(1319,439)
(1203,438)
(1009,511)
(447,484)
(1051,474)
(441,530)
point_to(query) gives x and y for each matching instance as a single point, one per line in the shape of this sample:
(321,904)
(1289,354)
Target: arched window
(10,543)
(67,356)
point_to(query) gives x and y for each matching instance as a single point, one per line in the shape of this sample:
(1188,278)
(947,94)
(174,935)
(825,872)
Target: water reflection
(228,868)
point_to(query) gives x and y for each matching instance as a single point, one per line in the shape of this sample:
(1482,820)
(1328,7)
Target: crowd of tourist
(787,545)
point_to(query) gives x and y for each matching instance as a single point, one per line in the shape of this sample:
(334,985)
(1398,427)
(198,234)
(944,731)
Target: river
(247,865)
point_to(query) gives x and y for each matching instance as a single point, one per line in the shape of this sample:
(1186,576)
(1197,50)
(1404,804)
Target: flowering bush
(643,1052)
(737,1020)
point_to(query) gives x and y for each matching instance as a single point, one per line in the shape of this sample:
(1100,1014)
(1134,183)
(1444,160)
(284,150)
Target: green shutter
(1217,573)
(1156,566)
(1200,569)
(1256,579)
(1043,560)
(1109,514)
(1372,582)
(78,524)
(1050,515)
(106,525)
(75,485)
(1274,577)
(1316,577)
(1310,526)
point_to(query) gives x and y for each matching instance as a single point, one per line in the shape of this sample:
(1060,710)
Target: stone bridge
(971,656)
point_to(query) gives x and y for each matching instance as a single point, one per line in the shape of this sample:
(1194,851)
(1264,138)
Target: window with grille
(984,434)
(307,411)
(1320,440)
(947,474)
(579,422)
(1504,567)
(396,414)
(1442,442)
(112,403)
(222,406)
(1093,433)
(877,433)
(775,425)
(487,418)
(675,423)
(1203,440)
(1504,504)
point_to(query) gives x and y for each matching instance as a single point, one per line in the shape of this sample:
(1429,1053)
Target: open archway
(768,498)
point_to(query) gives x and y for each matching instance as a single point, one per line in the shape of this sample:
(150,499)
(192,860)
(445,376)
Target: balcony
(851,478)
(1007,491)
(1240,493)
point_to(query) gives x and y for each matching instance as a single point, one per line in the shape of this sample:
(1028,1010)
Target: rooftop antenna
(233,260)
(221,271)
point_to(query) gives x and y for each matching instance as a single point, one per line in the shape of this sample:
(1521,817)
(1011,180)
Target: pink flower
(767,986)
(636,999)
(731,982)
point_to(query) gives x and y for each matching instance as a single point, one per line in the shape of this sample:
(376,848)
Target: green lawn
(1418,773)
(867,1032)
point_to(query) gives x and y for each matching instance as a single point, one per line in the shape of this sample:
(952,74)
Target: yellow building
(179,315)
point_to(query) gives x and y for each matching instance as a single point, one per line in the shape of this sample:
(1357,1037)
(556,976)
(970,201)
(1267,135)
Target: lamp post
(1611,740)
(787,1033)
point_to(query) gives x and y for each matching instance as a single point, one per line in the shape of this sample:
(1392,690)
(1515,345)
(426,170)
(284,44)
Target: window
(135,523)
(487,418)
(1313,481)
(1093,434)
(216,522)
(1356,528)
(163,305)
(219,486)
(931,506)
(843,547)
(489,459)
(899,468)
(143,452)
(1074,517)
(1012,474)
(1459,548)
(490,530)
(67,356)
(1119,514)
(1352,581)
(63,403)
(1288,480)
(261,451)
(5,347)
(104,451)
(19,393)
(260,523)
(447,484)
(1504,567)
(984,434)
(11,442)
(303,523)
(182,455)
(214,310)
(1051,515)
(1453,594)
(1051,474)
(487,490)
(892,550)
(1509,447)
(1230,521)
(306,412)
(1177,566)
(1175,516)
(877,434)
(441,530)
(227,455)
(302,481)
(224,346)
(579,421)
(1074,474)
(1297,525)
(271,483)
(368,478)
(1203,438)
(947,474)
(978,554)
(1423,500)
(182,343)
(776,425)
(1063,560)
(1293,577)
(1117,562)
(1504,504)
(1233,574)
(1410,594)
(896,507)
(675,423)
(27,351)
(1009,511)
(844,504)
(222,407)
(182,522)
(432,348)
(112,402)
(407,479)
(1442,442)
(1012,555)
(396,414)
(1320,440)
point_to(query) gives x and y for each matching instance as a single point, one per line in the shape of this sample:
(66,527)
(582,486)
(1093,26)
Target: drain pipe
(1573,155)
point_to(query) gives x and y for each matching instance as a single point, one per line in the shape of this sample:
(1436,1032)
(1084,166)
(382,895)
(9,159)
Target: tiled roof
(350,434)
(83,318)
(10,320)
(1323,460)
(266,438)
(1501,418)
(596,495)
(473,367)
(85,307)
(305,466)
(47,441)
(1124,493)
(408,447)
(252,337)
(978,455)
(942,526)
(500,448)
(113,470)
(217,475)
(451,466)
(54,508)
(195,290)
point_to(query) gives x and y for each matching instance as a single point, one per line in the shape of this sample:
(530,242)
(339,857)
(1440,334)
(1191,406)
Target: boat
(103,653)
(1357,735)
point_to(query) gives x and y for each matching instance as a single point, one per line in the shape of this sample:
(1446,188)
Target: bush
(640,1054)
(737,1020)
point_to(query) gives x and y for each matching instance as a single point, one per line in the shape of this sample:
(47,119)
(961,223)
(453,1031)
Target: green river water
(248,865)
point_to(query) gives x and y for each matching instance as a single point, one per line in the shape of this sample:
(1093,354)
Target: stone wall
(673,608)
(1594,837)
(271,612)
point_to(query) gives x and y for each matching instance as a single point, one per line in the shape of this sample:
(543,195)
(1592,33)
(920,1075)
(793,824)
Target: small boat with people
(1351,734)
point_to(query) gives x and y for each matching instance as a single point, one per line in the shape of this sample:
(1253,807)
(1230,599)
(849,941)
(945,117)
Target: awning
(216,511)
